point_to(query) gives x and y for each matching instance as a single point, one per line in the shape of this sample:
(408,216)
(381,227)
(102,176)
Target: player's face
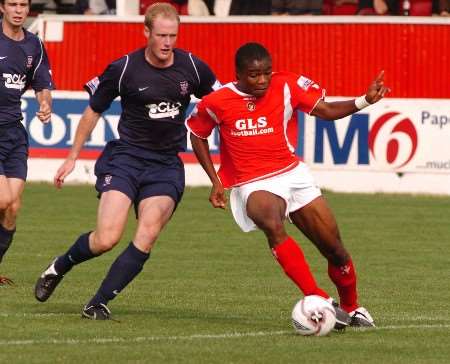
(15,12)
(255,78)
(161,41)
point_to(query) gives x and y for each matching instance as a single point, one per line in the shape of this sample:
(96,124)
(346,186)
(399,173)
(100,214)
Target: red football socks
(291,258)
(344,277)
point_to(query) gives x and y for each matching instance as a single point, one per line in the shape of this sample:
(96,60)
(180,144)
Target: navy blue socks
(79,252)
(6,237)
(124,269)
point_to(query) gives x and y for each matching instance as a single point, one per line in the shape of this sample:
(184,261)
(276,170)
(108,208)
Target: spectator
(342,2)
(39,6)
(198,8)
(80,6)
(250,7)
(180,5)
(100,7)
(441,7)
(219,7)
(210,5)
(377,7)
(339,7)
(63,6)
(295,7)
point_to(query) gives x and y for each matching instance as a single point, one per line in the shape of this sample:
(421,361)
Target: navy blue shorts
(139,173)
(14,151)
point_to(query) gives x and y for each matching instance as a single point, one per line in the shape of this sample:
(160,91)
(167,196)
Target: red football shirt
(254,141)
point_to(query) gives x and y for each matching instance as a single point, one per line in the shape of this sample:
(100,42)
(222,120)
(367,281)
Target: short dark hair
(3,2)
(250,52)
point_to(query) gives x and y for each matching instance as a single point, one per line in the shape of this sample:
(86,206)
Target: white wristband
(361,102)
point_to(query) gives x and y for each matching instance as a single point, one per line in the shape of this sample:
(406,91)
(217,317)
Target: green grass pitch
(212,294)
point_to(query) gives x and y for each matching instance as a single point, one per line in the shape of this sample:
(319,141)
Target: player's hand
(217,196)
(63,171)
(44,113)
(377,89)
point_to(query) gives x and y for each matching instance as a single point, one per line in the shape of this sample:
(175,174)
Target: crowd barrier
(343,54)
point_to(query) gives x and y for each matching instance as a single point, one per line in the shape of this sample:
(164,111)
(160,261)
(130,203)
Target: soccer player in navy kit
(23,64)
(142,167)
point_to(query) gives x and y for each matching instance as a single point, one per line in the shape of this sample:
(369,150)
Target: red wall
(343,58)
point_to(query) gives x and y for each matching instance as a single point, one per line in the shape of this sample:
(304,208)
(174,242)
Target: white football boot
(361,318)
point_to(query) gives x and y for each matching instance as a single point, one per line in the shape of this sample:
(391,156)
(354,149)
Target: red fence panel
(342,56)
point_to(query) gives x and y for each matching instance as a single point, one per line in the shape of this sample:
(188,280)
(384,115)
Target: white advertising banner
(397,145)
(394,135)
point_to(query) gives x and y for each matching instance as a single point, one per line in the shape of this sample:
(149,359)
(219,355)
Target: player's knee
(13,209)
(5,202)
(146,238)
(338,255)
(103,243)
(273,229)
(272,226)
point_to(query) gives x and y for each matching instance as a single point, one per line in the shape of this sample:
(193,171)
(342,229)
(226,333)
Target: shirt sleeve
(202,120)
(106,87)
(306,93)
(207,79)
(42,74)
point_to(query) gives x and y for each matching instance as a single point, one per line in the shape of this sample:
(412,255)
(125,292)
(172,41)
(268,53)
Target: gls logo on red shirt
(250,124)
(250,127)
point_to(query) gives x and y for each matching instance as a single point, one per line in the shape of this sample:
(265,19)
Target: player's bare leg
(268,212)
(153,214)
(112,217)
(317,222)
(10,201)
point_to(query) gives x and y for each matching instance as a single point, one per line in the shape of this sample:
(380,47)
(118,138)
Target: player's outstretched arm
(44,99)
(87,123)
(217,196)
(339,109)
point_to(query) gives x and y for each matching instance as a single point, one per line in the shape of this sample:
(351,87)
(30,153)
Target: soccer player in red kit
(268,181)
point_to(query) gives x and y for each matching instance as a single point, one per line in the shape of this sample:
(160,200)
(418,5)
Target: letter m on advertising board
(326,134)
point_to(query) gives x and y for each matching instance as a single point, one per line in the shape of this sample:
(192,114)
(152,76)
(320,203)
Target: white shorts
(297,187)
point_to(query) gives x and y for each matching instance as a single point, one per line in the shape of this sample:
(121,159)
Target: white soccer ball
(313,315)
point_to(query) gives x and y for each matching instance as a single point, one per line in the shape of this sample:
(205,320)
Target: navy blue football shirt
(23,64)
(154,100)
